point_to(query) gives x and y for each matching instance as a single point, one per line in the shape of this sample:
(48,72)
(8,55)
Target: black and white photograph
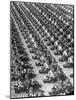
(37,49)
(42,49)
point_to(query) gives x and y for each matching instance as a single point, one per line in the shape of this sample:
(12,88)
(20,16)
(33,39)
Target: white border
(5,48)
